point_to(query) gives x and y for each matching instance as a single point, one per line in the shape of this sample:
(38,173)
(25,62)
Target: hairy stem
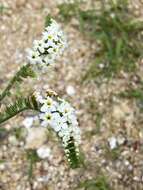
(5,118)
(7,89)
(24,72)
(17,107)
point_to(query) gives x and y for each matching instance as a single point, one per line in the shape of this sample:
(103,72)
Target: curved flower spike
(46,50)
(61,117)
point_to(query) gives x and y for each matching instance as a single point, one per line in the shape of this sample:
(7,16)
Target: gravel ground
(115,150)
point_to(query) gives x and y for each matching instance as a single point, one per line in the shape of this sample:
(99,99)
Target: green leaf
(133,93)
(119,47)
(32,157)
(3,8)
(117,31)
(67,10)
(98,183)
(48,20)
(24,72)
(21,104)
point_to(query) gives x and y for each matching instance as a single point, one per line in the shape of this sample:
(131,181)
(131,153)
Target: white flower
(38,45)
(65,139)
(59,123)
(49,119)
(53,27)
(46,118)
(50,36)
(65,108)
(46,50)
(33,56)
(48,105)
(38,97)
(61,117)
(64,126)
(72,119)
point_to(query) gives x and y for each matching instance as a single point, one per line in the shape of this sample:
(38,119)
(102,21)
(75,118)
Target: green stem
(30,172)
(5,118)
(24,72)
(7,89)
(17,107)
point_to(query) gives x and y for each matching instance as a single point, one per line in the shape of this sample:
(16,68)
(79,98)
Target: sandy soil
(121,119)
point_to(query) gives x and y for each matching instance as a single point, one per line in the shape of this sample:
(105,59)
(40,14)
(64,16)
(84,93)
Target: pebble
(121,140)
(27,122)
(130,167)
(20,3)
(136,178)
(112,142)
(36,137)
(2,166)
(43,178)
(13,140)
(35,185)
(8,127)
(70,90)
(127,163)
(44,152)
(121,111)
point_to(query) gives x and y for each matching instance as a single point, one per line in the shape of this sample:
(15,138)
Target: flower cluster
(60,116)
(46,50)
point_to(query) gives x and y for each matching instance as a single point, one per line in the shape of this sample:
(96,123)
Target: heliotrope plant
(53,112)
(48,48)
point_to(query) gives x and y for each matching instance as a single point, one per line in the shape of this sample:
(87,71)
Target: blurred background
(100,74)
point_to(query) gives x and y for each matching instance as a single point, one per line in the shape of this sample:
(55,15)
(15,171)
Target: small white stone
(43,179)
(4,147)
(136,178)
(2,167)
(120,140)
(36,137)
(8,127)
(13,140)
(44,152)
(141,134)
(112,142)
(112,15)
(117,112)
(130,167)
(27,122)
(70,90)
(101,65)
(35,184)
(21,143)
(127,163)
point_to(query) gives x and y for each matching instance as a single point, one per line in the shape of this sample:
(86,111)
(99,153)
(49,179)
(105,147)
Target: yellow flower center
(49,103)
(49,37)
(48,117)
